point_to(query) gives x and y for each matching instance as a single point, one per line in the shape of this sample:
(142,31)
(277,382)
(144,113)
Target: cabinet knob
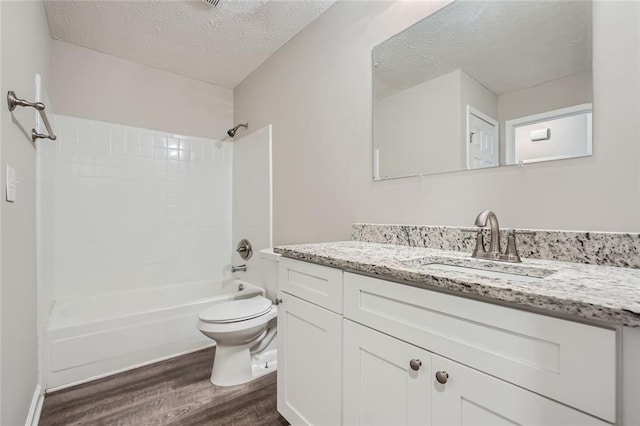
(415,364)
(442,377)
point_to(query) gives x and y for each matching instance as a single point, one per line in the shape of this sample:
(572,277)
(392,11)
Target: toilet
(245,330)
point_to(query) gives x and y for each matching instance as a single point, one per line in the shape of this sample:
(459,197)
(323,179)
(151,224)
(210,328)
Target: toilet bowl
(242,330)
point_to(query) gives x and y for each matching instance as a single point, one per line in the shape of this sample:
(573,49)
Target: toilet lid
(236,310)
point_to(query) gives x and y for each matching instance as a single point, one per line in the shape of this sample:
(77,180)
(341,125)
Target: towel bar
(13,101)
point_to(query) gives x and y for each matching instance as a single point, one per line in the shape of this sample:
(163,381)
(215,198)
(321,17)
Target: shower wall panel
(131,208)
(252,197)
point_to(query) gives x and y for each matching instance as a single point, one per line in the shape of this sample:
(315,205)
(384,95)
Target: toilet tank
(269,272)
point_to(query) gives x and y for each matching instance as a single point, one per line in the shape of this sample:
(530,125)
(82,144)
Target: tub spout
(238,268)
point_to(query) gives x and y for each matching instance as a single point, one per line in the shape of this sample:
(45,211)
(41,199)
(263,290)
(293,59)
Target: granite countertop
(601,293)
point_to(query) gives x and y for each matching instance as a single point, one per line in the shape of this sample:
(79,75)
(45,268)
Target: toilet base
(234,365)
(264,363)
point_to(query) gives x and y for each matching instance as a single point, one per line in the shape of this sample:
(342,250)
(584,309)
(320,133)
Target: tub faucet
(238,268)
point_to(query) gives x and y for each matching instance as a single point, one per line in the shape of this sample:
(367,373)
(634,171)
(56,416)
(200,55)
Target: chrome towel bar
(13,101)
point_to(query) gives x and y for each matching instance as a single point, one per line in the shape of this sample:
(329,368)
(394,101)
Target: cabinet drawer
(566,361)
(317,284)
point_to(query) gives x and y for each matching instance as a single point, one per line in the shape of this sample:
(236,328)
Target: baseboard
(130,367)
(36,407)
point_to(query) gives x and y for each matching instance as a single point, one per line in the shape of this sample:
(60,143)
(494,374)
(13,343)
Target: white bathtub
(95,336)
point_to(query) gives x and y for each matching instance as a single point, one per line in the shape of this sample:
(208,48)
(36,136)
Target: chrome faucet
(494,253)
(481,221)
(238,268)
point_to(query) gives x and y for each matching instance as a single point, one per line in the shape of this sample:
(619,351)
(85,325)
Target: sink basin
(481,272)
(484,268)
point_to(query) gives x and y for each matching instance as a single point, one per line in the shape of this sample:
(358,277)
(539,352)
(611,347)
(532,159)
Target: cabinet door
(309,363)
(380,385)
(470,397)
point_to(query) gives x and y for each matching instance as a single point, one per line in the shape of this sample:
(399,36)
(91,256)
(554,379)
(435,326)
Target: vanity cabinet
(569,362)
(390,382)
(414,356)
(309,344)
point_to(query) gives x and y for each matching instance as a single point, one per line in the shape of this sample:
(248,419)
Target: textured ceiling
(505,45)
(220,45)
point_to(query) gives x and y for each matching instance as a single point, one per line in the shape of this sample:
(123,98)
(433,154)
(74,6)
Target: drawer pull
(442,377)
(415,364)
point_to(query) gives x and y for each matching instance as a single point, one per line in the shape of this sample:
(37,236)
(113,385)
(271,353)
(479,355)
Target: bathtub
(95,336)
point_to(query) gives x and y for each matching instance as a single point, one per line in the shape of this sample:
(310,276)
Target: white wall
(417,129)
(93,85)
(25,52)
(316,91)
(422,130)
(132,208)
(252,203)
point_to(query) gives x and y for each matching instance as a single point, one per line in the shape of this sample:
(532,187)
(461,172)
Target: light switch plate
(11,183)
(540,135)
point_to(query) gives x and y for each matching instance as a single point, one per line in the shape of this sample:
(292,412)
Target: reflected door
(482,138)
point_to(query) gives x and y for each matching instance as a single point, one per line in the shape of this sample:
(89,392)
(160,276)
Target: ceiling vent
(212,2)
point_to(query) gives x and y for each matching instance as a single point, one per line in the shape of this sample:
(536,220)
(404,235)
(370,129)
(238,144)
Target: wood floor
(173,392)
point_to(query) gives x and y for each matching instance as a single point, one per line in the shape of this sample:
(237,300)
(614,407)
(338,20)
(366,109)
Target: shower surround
(124,209)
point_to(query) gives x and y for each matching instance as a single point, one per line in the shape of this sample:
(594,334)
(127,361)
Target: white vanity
(358,350)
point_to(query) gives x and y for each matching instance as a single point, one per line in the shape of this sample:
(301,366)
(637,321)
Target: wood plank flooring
(172,392)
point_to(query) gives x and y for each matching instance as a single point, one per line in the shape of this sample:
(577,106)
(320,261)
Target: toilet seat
(235,326)
(236,310)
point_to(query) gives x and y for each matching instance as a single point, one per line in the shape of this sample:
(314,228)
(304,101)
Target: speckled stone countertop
(592,292)
(593,248)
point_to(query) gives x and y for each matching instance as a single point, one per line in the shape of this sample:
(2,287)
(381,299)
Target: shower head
(232,132)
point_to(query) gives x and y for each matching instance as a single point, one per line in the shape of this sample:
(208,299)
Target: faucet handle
(479,248)
(512,250)
(479,244)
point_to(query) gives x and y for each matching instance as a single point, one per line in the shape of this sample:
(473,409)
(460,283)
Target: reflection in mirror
(482,84)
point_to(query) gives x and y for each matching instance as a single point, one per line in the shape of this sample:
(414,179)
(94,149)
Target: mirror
(484,84)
